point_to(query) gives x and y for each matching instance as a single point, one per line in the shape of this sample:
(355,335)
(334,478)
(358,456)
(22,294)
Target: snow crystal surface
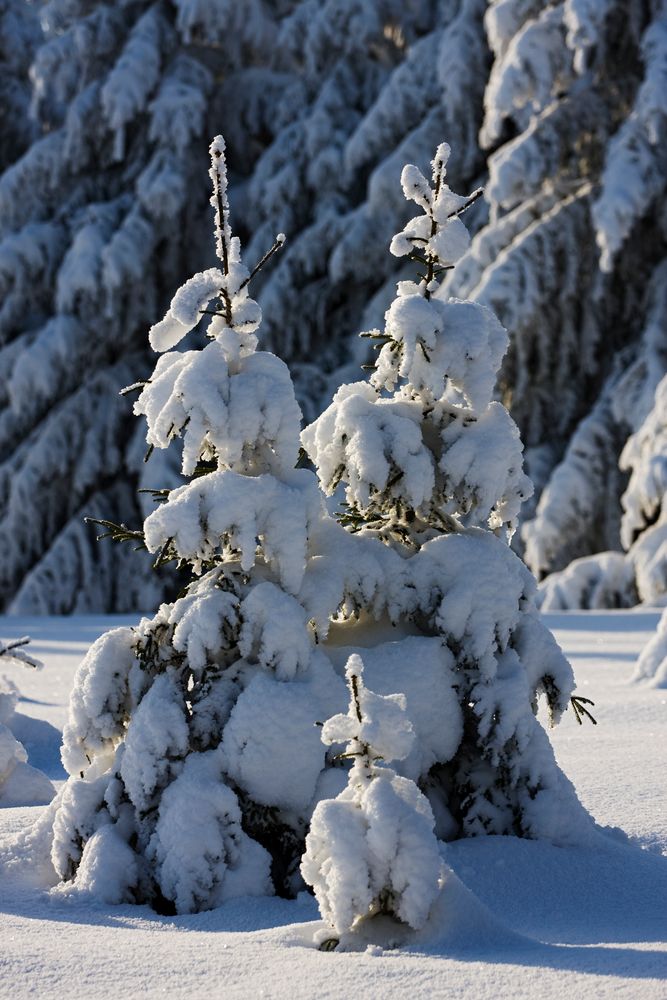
(97,700)
(20,782)
(240,411)
(156,735)
(421,669)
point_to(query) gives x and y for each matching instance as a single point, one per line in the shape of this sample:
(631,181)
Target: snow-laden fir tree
(639,573)
(88,216)
(191,743)
(575,128)
(19,36)
(432,468)
(322,102)
(372,849)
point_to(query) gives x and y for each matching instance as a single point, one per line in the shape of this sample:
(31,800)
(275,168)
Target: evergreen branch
(227,302)
(222,211)
(158,496)
(330,944)
(578,703)
(117,532)
(278,244)
(203,469)
(470,201)
(149,452)
(162,555)
(135,386)
(173,433)
(336,478)
(303,459)
(354,685)
(428,277)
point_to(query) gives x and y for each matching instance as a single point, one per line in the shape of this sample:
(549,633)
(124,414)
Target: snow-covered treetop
(423,446)
(231,405)
(238,311)
(438,230)
(375,726)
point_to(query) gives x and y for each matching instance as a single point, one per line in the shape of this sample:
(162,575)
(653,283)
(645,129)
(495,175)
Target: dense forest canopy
(558,109)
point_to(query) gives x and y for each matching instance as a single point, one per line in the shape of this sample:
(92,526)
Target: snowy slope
(522,919)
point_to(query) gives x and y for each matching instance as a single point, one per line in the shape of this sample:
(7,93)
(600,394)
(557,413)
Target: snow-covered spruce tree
(191,742)
(432,467)
(372,849)
(575,130)
(639,573)
(19,36)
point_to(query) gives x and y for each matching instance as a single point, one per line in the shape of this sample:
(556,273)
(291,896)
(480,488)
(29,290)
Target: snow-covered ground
(518,919)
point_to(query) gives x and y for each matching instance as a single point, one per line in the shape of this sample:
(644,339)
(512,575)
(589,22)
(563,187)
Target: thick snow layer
(516,920)
(20,783)
(225,508)
(279,761)
(240,410)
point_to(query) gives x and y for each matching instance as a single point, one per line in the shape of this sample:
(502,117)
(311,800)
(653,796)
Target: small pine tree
(372,849)
(432,468)
(191,742)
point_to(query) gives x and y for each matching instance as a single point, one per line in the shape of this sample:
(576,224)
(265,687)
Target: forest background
(558,109)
